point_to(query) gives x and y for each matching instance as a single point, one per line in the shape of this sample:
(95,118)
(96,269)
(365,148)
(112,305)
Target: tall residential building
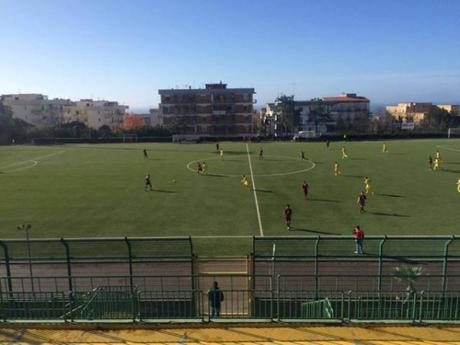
(416,111)
(213,111)
(36,109)
(319,114)
(96,114)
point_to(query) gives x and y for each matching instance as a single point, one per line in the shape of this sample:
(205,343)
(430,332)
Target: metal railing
(273,301)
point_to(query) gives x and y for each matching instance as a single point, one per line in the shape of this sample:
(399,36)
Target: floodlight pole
(27,227)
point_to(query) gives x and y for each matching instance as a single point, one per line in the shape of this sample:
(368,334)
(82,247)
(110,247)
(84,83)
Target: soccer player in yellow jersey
(438,155)
(245,182)
(337,170)
(344,153)
(437,164)
(221,153)
(367,185)
(458,184)
(384,148)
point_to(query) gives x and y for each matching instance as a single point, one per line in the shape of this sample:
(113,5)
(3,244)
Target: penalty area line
(255,193)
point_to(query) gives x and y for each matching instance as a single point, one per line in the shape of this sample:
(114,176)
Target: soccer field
(98,190)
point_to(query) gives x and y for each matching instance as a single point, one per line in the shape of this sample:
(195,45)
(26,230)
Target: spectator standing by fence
(358,234)
(215,298)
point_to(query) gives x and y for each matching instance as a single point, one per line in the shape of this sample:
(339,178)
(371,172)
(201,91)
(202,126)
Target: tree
(131,121)
(438,119)
(408,274)
(319,117)
(10,128)
(288,115)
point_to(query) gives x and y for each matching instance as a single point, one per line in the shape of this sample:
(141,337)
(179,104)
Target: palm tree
(408,274)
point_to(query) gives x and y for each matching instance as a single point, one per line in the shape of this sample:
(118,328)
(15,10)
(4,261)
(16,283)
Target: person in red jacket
(358,234)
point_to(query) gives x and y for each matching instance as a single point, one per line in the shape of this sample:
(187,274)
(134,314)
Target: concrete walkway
(241,335)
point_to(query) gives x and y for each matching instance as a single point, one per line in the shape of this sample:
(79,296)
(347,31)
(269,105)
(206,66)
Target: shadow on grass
(238,152)
(313,231)
(353,176)
(215,175)
(390,195)
(397,153)
(264,191)
(450,171)
(358,159)
(387,214)
(164,191)
(322,200)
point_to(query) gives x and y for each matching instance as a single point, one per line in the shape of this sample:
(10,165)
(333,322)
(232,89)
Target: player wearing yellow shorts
(384,148)
(337,170)
(458,185)
(245,182)
(344,153)
(437,164)
(367,186)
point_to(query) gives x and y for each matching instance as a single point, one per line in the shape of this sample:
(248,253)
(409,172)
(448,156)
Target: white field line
(447,148)
(255,193)
(294,172)
(219,236)
(34,161)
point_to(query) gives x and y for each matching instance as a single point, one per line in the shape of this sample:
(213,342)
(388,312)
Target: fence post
(342,299)
(316,267)
(444,266)
(7,265)
(380,267)
(421,307)
(69,266)
(130,265)
(251,285)
(278,302)
(193,264)
(349,305)
(414,307)
(69,276)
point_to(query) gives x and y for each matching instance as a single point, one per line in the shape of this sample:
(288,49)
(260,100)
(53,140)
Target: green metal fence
(319,256)
(294,278)
(148,306)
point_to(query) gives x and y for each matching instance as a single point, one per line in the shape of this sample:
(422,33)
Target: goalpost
(130,138)
(453,132)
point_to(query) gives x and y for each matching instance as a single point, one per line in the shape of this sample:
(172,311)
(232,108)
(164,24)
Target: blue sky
(126,50)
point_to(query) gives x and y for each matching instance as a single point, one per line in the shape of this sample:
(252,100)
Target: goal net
(453,132)
(130,138)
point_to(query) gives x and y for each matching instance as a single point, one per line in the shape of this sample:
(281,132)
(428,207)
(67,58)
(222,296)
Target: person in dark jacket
(215,297)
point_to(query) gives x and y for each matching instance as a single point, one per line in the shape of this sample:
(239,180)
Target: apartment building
(416,111)
(151,118)
(318,114)
(36,109)
(213,111)
(95,114)
(410,111)
(454,109)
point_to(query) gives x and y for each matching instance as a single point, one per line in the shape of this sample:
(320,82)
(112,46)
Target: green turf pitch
(98,190)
